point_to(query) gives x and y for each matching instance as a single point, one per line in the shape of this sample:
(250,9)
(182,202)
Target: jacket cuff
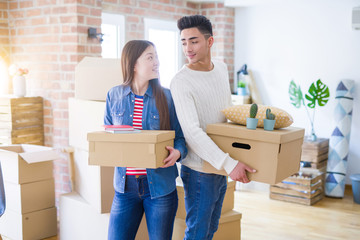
(182,150)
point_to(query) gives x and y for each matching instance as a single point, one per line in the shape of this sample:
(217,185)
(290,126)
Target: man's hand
(174,155)
(239,172)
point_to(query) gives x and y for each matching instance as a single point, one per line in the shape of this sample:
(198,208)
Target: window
(113,28)
(165,36)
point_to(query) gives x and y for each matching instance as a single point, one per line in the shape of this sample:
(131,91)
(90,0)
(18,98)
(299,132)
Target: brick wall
(223,29)
(50,37)
(4,46)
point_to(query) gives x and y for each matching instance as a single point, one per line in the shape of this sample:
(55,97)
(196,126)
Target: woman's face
(147,65)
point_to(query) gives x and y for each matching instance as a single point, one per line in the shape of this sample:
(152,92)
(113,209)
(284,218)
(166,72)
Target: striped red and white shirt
(137,124)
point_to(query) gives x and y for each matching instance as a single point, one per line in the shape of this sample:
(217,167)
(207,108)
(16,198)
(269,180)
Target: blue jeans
(204,196)
(128,208)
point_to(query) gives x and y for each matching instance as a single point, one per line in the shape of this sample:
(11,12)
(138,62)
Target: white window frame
(158,24)
(119,21)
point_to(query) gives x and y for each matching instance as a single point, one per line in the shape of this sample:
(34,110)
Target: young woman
(141,102)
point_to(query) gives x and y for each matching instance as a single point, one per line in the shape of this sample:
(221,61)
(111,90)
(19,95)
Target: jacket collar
(149,91)
(128,90)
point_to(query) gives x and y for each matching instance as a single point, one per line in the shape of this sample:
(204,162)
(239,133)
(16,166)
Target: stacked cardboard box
(84,213)
(93,183)
(93,191)
(30,192)
(21,120)
(304,187)
(229,223)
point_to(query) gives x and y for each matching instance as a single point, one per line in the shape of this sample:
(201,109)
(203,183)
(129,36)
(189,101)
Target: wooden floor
(266,219)
(329,219)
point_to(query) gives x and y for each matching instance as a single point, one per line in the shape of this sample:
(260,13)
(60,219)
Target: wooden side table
(21,120)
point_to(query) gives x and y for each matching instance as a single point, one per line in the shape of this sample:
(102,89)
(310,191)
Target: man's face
(195,46)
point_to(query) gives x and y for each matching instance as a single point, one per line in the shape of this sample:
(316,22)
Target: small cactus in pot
(269,114)
(253,110)
(251,122)
(269,122)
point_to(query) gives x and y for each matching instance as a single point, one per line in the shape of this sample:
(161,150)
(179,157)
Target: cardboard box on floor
(93,183)
(30,197)
(274,154)
(26,163)
(35,225)
(145,149)
(229,227)
(78,220)
(95,76)
(84,116)
(228,203)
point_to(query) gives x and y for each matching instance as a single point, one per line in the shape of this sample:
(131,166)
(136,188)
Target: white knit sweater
(199,97)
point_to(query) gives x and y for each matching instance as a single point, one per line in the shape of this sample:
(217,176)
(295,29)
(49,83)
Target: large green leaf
(296,95)
(319,93)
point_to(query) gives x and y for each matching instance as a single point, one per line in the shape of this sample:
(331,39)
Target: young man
(200,91)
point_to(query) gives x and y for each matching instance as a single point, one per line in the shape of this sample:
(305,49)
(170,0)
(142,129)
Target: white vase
(19,86)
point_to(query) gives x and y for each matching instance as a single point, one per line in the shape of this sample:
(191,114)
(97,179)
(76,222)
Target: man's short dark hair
(199,21)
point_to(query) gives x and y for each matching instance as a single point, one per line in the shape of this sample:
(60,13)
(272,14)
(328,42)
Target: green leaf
(318,93)
(296,95)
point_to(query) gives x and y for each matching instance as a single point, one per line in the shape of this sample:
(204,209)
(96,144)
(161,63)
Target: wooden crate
(303,188)
(323,176)
(319,165)
(22,120)
(306,157)
(314,165)
(315,155)
(316,151)
(315,145)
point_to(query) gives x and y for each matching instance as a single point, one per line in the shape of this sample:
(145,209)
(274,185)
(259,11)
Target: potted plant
(242,80)
(318,93)
(251,122)
(241,89)
(269,122)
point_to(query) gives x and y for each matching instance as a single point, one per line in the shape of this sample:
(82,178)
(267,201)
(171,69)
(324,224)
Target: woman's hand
(174,155)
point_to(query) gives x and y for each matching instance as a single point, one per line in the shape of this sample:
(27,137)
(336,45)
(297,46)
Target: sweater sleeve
(179,141)
(195,136)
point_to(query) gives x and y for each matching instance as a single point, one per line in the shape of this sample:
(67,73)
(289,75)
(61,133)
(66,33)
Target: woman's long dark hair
(130,54)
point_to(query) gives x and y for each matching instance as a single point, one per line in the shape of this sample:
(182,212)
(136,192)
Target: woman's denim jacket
(119,111)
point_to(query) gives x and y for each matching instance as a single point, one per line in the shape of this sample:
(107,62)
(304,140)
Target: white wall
(302,40)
